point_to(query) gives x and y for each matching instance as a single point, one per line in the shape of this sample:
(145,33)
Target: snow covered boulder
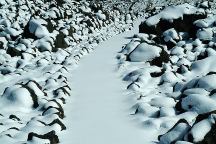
(44,45)
(36,88)
(146,110)
(128,18)
(162,102)
(13,33)
(130,46)
(36,29)
(3,43)
(100,15)
(180,17)
(2,2)
(167,112)
(205,34)
(198,103)
(6,70)
(23,95)
(205,23)
(134,75)
(199,131)
(205,4)
(210,136)
(171,35)
(207,82)
(144,52)
(153,54)
(18,96)
(176,133)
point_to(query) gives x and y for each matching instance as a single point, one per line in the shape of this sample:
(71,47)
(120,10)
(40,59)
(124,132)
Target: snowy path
(99,109)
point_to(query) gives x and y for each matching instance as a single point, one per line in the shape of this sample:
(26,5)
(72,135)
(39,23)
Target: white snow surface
(99,112)
(145,52)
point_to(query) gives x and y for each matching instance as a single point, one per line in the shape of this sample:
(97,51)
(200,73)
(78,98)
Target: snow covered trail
(98,112)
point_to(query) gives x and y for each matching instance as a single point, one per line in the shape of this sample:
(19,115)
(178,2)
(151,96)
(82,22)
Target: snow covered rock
(205,23)
(200,104)
(205,34)
(130,47)
(146,110)
(180,17)
(36,28)
(176,133)
(173,12)
(18,96)
(162,102)
(3,43)
(199,130)
(170,35)
(100,15)
(144,52)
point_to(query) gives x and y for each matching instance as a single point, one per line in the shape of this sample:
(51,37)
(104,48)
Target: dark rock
(12,51)
(63,89)
(202,55)
(57,121)
(163,58)
(50,26)
(212,92)
(26,32)
(181,25)
(157,74)
(60,42)
(14,117)
(51,136)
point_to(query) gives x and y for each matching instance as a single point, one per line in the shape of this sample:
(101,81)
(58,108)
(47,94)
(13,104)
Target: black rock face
(51,136)
(27,33)
(60,42)
(163,58)
(181,25)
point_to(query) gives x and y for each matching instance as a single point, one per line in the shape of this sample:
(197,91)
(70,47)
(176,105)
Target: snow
(182,142)
(207,82)
(198,103)
(205,34)
(144,52)
(170,35)
(15,96)
(166,77)
(167,111)
(36,27)
(12,31)
(175,134)
(200,129)
(130,47)
(205,23)
(163,102)
(100,15)
(177,51)
(100,112)
(183,88)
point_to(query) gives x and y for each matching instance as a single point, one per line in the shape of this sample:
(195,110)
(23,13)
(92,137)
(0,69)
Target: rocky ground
(42,40)
(170,67)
